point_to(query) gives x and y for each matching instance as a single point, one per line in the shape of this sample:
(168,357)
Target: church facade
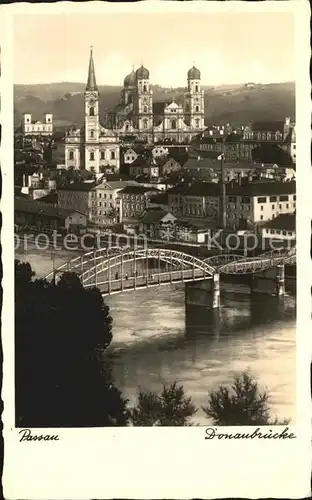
(92,147)
(137,114)
(97,148)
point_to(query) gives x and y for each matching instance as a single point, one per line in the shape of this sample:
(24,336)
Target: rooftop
(35,207)
(282,221)
(153,216)
(78,186)
(137,189)
(277,126)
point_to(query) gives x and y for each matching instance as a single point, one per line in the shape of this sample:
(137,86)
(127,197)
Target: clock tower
(92,121)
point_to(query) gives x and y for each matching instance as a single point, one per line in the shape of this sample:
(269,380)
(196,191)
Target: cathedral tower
(92,121)
(143,105)
(194,100)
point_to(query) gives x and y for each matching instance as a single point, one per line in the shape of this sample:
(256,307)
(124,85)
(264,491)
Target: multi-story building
(239,146)
(106,202)
(37,128)
(134,201)
(254,202)
(282,228)
(77,196)
(92,147)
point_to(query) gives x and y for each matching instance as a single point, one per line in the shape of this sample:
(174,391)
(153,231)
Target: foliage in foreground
(59,377)
(170,408)
(241,404)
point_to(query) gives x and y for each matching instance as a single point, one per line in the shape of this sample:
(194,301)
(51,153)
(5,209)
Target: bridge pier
(204,293)
(280,280)
(252,283)
(215,291)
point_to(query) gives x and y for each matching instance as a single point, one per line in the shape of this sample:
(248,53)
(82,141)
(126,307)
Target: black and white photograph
(155,224)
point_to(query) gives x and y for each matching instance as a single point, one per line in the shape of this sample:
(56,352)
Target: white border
(160,462)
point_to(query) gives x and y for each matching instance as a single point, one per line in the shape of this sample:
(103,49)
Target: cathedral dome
(142,73)
(130,80)
(193,74)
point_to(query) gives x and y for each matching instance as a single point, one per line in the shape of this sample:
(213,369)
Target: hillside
(235,103)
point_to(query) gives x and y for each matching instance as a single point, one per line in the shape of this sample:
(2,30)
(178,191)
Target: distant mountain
(238,104)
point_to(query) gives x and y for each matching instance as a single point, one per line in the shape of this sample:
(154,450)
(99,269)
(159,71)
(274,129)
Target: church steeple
(91,84)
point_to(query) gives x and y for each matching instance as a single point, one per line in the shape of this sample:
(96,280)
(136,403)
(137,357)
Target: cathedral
(97,148)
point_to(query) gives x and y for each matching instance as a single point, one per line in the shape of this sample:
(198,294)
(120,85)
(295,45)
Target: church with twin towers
(96,147)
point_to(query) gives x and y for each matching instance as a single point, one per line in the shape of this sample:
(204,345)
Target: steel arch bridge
(97,268)
(227,263)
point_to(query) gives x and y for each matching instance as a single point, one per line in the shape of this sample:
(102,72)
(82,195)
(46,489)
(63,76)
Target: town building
(130,156)
(282,229)
(246,203)
(134,201)
(37,128)
(139,115)
(156,223)
(239,145)
(106,203)
(92,147)
(160,151)
(44,218)
(77,196)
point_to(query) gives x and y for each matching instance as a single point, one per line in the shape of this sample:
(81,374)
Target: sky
(228,48)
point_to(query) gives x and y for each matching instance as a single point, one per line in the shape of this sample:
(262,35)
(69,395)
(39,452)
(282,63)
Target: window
(272,231)
(273,198)
(102,155)
(232,199)
(262,199)
(196,88)
(294,197)
(197,123)
(91,156)
(144,88)
(197,108)
(113,155)
(261,207)
(110,196)
(261,218)
(91,133)
(294,205)
(273,215)
(145,109)
(284,233)
(273,207)
(71,155)
(173,124)
(287,205)
(91,111)
(100,195)
(278,231)
(284,198)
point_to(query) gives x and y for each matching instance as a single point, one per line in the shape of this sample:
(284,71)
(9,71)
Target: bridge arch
(114,258)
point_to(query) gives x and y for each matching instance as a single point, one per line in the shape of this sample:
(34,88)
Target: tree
(243,404)
(61,378)
(171,407)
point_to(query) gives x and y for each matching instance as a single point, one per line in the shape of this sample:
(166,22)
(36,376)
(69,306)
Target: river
(156,342)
